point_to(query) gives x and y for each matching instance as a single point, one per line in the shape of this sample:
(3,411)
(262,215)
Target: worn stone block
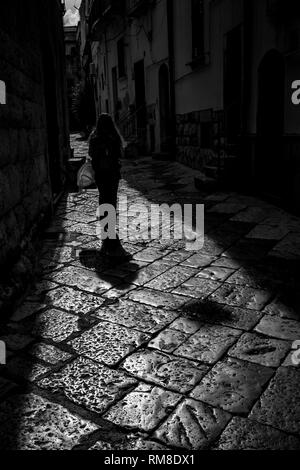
(88,384)
(233,385)
(134,315)
(168,340)
(279,406)
(245,434)
(49,354)
(174,373)
(143,408)
(279,327)
(73,300)
(108,342)
(197,288)
(260,350)
(241,296)
(208,344)
(158,299)
(55,325)
(172,278)
(55,428)
(193,426)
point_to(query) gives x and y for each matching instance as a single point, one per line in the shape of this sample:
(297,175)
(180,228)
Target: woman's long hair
(106,129)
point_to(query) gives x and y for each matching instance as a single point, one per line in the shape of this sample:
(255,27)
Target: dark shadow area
(260,268)
(21,336)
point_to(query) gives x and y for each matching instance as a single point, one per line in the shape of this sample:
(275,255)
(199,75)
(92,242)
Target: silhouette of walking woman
(105,150)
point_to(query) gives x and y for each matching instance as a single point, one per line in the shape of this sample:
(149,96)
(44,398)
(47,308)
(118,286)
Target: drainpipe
(170,16)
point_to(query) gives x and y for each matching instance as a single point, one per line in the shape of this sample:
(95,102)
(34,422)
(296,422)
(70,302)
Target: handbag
(85,176)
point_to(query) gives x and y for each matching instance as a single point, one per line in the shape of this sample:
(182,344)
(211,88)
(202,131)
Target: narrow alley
(170,350)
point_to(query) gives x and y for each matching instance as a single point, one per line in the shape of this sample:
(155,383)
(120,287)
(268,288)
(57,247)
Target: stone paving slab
(245,434)
(285,308)
(56,325)
(279,405)
(144,318)
(119,291)
(255,277)
(209,344)
(251,214)
(289,247)
(148,273)
(158,299)
(263,232)
(197,288)
(136,444)
(108,342)
(168,340)
(228,208)
(233,385)
(212,312)
(279,328)
(260,350)
(193,426)
(226,262)
(245,297)
(215,273)
(143,408)
(176,374)
(59,255)
(55,428)
(74,301)
(49,353)
(83,279)
(172,278)
(92,385)
(150,255)
(199,260)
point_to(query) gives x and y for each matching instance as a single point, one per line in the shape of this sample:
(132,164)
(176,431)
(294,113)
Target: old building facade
(73,68)
(207,80)
(233,81)
(128,57)
(33,119)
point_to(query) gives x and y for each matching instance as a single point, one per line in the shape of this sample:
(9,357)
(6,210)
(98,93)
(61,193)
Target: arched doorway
(164,108)
(270,124)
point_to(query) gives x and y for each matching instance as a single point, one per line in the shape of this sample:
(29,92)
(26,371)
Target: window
(121,58)
(2,92)
(198,28)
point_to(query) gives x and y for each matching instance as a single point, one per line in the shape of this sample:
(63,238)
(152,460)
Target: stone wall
(26,29)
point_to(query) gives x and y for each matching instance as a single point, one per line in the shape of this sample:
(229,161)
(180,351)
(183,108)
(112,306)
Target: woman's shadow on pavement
(121,271)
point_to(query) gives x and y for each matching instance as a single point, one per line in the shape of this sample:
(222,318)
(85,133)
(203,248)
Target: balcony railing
(139,7)
(101,11)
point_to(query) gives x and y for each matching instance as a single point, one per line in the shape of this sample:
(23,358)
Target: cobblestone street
(172,349)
